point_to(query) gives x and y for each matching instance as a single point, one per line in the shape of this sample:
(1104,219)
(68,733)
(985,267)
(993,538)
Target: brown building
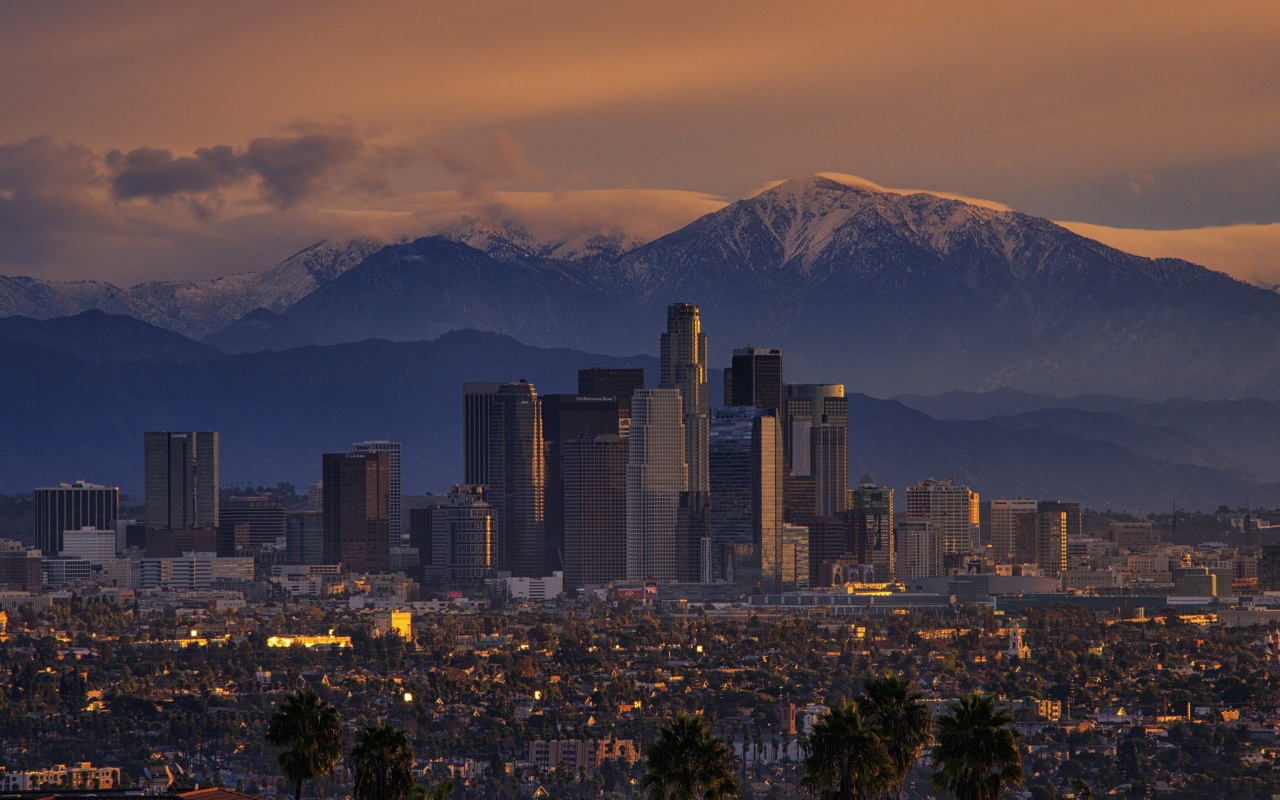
(566,418)
(19,567)
(517,479)
(357,511)
(162,543)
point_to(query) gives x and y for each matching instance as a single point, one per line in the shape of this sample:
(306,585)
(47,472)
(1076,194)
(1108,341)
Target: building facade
(356,515)
(72,507)
(656,477)
(595,510)
(182,479)
(516,490)
(392,449)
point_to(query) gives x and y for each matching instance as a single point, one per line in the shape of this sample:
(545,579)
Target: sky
(155,141)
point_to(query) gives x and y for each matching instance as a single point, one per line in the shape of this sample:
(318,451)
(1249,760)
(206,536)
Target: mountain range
(886,292)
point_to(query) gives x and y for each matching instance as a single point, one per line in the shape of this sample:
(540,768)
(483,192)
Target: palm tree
(686,762)
(847,758)
(976,755)
(894,705)
(310,730)
(381,763)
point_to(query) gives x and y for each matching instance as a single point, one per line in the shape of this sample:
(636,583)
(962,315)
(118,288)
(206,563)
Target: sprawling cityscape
(609,560)
(569,400)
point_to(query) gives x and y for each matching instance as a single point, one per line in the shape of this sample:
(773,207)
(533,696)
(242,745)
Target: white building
(97,546)
(953,510)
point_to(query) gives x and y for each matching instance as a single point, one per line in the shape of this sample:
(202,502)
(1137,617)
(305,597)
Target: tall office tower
(398,536)
(304,537)
(264,516)
(1051,542)
(619,384)
(357,511)
(1072,510)
(566,418)
(315,490)
(871,516)
(477,411)
(757,377)
(954,511)
(919,549)
(829,457)
(422,536)
(516,490)
(656,477)
(794,563)
(684,367)
(463,544)
(595,510)
(745,470)
(1004,515)
(182,479)
(71,507)
(805,406)
(728,386)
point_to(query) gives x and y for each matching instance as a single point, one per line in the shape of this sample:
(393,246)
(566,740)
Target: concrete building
(745,471)
(567,418)
(304,537)
(871,528)
(919,549)
(462,549)
(806,405)
(97,546)
(1004,515)
(264,516)
(684,366)
(953,510)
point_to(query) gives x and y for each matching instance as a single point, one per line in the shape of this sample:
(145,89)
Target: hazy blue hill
(1244,432)
(277,411)
(100,338)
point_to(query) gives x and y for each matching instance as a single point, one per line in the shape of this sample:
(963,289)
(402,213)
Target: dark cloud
(149,172)
(289,169)
(46,199)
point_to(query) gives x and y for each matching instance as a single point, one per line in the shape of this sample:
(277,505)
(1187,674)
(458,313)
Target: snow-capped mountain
(507,239)
(192,308)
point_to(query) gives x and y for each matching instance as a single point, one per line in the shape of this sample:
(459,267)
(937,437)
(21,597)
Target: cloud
(48,195)
(500,159)
(289,169)
(1247,252)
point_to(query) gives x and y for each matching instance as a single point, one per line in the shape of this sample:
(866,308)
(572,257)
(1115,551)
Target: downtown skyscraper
(658,545)
(356,509)
(392,449)
(746,486)
(684,367)
(516,480)
(181,479)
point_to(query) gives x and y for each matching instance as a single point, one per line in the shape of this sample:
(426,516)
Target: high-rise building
(745,452)
(595,510)
(516,488)
(684,367)
(477,411)
(357,511)
(72,507)
(793,571)
(952,508)
(829,457)
(1051,542)
(871,515)
(182,479)
(1004,516)
(463,544)
(304,537)
(566,418)
(805,407)
(264,516)
(1072,510)
(618,383)
(392,449)
(657,476)
(756,377)
(919,549)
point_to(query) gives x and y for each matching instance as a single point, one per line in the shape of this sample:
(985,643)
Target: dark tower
(517,479)
(357,511)
(757,377)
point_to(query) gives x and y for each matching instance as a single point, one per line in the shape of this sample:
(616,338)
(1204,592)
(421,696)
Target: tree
(381,763)
(847,758)
(976,755)
(686,762)
(894,705)
(310,730)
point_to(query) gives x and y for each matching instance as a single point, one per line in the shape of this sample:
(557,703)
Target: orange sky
(1141,115)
